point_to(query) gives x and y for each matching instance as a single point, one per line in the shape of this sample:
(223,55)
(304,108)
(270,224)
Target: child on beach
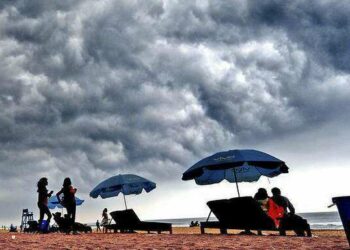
(68,201)
(98,228)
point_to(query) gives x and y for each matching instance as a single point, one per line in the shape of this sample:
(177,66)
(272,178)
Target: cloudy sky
(90,89)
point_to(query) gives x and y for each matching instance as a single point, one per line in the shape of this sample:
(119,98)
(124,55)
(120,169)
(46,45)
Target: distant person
(105,220)
(13,229)
(194,224)
(98,228)
(262,198)
(43,199)
(68,202)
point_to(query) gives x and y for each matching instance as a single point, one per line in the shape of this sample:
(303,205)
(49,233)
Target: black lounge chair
(128,221)
(244,213)
(64,225)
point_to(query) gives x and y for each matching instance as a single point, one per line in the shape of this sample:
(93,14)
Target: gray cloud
(94,88)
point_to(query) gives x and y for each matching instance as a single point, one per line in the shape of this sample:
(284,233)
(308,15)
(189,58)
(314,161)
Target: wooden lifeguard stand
(26,216)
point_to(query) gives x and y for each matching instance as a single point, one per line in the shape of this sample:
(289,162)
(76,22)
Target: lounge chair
(128,221)
(244,213)
(63,224)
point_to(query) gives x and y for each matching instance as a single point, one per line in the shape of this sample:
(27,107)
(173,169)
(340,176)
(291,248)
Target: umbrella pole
(125,202)
(234,172)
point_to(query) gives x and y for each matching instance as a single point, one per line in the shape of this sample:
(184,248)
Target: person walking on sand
(43,199)
(68,202)
(98,228)
(105,220)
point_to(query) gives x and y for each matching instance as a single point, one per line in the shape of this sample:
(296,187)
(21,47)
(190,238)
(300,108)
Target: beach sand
(183,238)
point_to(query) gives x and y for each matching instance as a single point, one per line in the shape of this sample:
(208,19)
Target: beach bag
(44,226)
(275,212)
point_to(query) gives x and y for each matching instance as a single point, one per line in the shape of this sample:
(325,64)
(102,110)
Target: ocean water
(323,220)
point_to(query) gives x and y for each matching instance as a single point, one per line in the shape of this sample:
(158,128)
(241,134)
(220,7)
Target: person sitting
(287,219)
(274,210)
(282,201)
(262,198)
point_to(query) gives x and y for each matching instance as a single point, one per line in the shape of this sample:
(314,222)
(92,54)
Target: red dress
(275,211)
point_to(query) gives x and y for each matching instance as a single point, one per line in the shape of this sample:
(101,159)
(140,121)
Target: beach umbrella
(53,202)
(235,166)
(126,184)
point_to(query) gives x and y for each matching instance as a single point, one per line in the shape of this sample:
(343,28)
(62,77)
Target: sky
(90,89)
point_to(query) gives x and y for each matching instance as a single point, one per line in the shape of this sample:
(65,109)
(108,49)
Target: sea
(321,220)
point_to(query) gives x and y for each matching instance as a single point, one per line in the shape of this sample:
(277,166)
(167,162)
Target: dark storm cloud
(94,88)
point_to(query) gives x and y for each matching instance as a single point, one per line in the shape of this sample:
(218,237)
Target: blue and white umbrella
(245,165)
(53,202)
(126,184)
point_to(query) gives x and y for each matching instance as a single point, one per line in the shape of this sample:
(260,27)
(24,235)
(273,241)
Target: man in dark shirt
(290,220)
(282,201)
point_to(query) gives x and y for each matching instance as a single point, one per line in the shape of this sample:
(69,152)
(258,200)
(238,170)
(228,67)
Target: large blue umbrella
(126,184)
(53,202)
(245,165)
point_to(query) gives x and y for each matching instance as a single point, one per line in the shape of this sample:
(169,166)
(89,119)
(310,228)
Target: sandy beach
(183,238)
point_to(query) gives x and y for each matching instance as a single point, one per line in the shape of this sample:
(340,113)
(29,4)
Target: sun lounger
(128,221)
(244,213)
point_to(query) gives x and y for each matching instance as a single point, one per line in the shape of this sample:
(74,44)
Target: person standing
(68,202)
(43,199)
(105,220)
(98,228)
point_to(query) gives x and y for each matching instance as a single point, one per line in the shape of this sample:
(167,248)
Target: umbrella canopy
(53,202)
(245,165)
(126,184)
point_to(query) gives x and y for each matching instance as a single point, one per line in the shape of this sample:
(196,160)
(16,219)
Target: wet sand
(182,238)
